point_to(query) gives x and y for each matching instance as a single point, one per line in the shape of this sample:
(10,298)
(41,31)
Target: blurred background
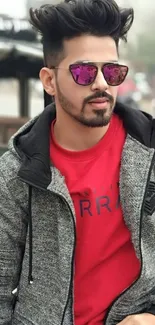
(21,93)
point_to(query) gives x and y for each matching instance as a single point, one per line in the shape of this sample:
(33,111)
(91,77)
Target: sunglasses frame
(97,68)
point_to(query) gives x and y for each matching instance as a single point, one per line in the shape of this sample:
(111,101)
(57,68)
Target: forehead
(90,48)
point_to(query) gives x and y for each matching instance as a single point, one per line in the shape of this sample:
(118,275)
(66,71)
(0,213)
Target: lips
(99,100)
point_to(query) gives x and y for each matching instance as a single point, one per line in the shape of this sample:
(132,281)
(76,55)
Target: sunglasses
(84,74)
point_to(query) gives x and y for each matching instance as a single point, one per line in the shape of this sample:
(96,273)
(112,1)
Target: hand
(141,319)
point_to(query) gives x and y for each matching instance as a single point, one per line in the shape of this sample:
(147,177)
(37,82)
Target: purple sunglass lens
(83,74)
(114,74)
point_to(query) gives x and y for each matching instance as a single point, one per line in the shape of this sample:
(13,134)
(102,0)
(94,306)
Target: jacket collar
(33,143)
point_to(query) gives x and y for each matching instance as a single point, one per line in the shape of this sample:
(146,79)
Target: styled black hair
(72,18)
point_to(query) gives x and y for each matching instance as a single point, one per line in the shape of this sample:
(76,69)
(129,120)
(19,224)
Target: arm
(13,227)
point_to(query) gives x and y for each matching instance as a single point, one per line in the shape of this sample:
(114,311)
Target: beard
(101,117)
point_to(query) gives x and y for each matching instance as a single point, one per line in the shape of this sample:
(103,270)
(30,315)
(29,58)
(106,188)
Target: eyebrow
(92,62)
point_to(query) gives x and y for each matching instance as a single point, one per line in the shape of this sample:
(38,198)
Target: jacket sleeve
(12,244)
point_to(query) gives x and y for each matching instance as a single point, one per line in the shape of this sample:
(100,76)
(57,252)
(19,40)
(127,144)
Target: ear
(47,78)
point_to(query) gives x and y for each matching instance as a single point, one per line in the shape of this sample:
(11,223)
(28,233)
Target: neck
(73,136)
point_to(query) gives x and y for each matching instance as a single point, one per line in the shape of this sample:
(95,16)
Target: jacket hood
(32,141)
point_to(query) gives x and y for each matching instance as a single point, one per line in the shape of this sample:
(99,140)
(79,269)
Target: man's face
(77,100)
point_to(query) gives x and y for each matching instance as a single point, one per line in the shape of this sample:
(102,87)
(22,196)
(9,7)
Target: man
(77,186)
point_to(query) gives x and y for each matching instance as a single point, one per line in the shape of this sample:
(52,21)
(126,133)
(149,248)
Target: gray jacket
(37,225)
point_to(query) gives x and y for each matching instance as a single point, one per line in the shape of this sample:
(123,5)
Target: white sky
(14,8)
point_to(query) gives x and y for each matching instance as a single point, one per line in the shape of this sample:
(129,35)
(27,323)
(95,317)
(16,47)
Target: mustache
(99,94)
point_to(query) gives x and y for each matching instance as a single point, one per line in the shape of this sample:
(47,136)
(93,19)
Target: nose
(100,82)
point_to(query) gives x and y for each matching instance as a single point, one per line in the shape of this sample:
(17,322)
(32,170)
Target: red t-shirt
(105,260)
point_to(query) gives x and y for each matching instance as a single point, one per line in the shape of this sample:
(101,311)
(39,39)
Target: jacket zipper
(140,248)
(72,265)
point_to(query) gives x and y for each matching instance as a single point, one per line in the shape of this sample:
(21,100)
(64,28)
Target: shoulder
(10,184)
(139,125)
